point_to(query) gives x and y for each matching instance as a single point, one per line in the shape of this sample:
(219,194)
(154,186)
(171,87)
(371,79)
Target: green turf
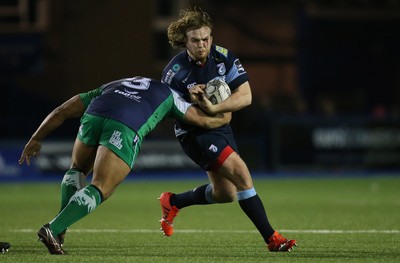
(125,228)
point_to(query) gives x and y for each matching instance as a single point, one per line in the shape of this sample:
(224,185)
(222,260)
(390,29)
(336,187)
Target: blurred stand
(324,75)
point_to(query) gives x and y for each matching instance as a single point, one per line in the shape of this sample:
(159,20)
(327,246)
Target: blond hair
(191,19)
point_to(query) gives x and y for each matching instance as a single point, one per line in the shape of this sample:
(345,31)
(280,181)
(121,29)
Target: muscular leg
(220,190)
(235,170)
(223,190)
(109,171)
(81,164)
(233,176)
(232,180)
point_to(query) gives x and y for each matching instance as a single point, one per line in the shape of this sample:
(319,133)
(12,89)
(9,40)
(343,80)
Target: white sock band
(246,194)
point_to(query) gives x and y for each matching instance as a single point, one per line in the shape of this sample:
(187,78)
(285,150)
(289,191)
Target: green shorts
(114,135)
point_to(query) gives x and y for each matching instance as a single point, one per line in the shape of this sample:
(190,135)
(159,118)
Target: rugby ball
(217,91)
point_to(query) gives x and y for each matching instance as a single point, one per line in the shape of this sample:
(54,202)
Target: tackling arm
(196,116)
(72,108)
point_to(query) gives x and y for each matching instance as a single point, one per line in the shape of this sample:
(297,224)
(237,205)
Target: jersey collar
(196,62)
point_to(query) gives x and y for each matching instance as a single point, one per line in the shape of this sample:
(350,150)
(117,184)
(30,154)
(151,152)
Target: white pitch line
(190,231)
(327,231)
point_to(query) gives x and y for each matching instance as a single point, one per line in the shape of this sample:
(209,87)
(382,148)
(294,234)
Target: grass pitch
(333,220)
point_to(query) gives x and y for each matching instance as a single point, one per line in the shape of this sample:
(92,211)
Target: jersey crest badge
(221,68)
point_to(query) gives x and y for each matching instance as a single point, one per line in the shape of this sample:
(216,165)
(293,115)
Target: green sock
(81,204)
(73,181)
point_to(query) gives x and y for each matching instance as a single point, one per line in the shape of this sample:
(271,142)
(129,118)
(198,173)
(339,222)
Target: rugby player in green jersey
(115,118)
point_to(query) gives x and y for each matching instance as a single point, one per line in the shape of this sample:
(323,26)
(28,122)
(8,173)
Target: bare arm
(239,99)
(72,108)
(196,116)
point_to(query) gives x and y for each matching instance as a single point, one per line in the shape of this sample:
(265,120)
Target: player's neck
(200,63)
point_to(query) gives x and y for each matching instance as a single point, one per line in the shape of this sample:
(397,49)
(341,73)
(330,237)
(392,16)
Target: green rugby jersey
(138,102)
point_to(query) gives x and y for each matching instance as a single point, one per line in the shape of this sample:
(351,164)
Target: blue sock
(198,196)
(252,205)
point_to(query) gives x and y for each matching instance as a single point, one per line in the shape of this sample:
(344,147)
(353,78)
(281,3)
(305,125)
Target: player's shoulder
(177,60)
(160,86)
(175,68)
(220,53)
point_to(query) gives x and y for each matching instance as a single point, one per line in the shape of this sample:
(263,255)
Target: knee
(85,171)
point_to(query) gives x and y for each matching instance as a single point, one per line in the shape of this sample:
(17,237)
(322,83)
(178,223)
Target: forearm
(196,116)
(234,103)
(72,108)
(240,98)
(49,124)
(32,148)
(218,120)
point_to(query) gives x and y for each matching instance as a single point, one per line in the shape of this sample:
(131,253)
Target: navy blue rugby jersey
(182,72)
(138,102)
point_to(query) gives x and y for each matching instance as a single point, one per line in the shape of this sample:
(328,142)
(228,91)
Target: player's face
(198,43)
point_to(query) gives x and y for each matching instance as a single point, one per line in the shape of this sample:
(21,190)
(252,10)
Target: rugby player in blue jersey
(115,118)
(214,150)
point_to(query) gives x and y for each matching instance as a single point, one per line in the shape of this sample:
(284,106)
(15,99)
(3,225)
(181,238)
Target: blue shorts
(209,148)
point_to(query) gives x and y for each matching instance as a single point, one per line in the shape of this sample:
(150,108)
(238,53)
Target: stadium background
(325,77)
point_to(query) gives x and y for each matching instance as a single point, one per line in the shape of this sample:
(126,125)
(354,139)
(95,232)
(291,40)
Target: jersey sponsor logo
(222,50)
(116,139)
(168,77)
(191,85)
(213,148)
(133,92)
(239,66)
(221,68)
(130,95)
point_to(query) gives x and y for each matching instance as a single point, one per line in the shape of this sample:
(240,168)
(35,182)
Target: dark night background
(312,64)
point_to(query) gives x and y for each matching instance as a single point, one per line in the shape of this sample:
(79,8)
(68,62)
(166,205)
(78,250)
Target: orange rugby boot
(277,243)
(168,214)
